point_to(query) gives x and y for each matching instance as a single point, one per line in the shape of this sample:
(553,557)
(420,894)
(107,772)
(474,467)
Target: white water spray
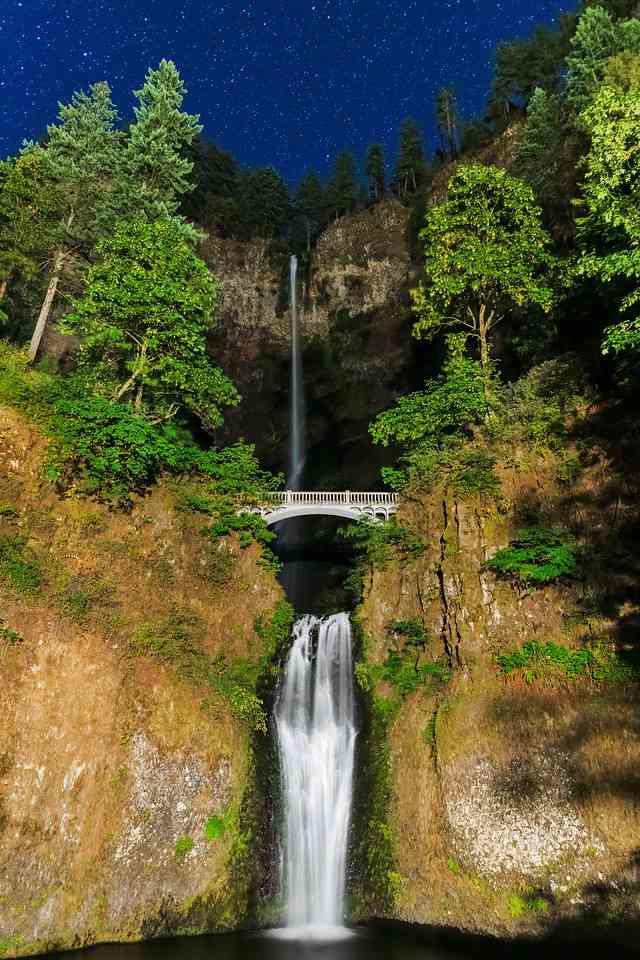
(297,411)
(315,724)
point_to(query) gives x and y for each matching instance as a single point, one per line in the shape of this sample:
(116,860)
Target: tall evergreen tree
(410,169)
(448,120)
(264,203)
(523,65)
(597,39)
(375,171)
(342,192)
(78,164)
(157,167)
(309,204)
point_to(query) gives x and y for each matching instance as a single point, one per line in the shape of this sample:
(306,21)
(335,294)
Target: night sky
(288,89)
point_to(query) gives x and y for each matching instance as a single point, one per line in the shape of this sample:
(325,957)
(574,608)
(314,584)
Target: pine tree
(448,120)
(309,204)
(264,203)
(158,170)
(78,164)
(342,192)
(375,171)
(597,39)
(410,170)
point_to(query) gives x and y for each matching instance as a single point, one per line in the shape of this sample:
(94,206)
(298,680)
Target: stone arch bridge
(320,503)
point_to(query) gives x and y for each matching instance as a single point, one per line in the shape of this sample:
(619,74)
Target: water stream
(316,731)
(296,400)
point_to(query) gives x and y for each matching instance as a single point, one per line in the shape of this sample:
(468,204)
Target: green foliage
(264,203)
(540,407)
(597,38)
(411,169)
(375,170)
(597,662)
(7,635)
(156,172)
(431,424)
(342,190)
(276,632)
(7,512)
(536,557)
(173,643)
(377,544)
(184,845)
(109,450)
(520,904)
(521,66)
(145,315)
(610,231)
(487,256)
(472,473)
(19,567)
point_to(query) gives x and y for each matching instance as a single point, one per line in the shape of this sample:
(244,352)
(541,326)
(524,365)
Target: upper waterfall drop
(315,723)
(297,406)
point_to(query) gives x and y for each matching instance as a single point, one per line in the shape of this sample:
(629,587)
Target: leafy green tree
(429,423)
(157,170)
(597,39)
(264,203)
(448,120)
(145,315)
(610,231)
(487,255)
(410,169)
(309,205)
(375,171)
(27,225)
(342,191)
(78,164)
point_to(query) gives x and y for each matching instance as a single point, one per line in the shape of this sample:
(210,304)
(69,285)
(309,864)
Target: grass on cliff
(554,662)
(238,679)
(536,557)
(19,567)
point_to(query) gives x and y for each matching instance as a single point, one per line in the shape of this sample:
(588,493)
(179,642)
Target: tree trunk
(45,310)
(3,288)
(484,325)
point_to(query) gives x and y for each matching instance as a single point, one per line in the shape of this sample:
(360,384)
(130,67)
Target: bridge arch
(345,504)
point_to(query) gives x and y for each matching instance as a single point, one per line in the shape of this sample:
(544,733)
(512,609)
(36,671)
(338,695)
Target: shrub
(537,556)
(473,473)
(8,512)
(214,828)
(536,661)
(9,636)
(18,567)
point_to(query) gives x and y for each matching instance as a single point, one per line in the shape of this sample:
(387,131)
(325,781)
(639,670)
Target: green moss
(214,828)
(10,944)
(454,866)
(7,512)
(184,845)
(524,902)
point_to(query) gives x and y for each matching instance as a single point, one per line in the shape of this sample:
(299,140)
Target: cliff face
(354,315)
(514,806)
(126,784)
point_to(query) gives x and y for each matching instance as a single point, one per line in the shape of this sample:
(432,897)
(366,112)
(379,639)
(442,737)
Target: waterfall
(297,410)
(315,725)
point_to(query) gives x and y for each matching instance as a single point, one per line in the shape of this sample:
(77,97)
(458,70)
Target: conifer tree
(309,204)
(157,167)
(375,171)
(448,120)
(597,39)
(410,169)
(342,192)
(78,164)
(264,203)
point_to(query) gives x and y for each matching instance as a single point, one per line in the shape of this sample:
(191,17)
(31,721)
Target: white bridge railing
(374,505)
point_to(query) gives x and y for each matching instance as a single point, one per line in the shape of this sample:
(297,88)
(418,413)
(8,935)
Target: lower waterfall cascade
(316,733)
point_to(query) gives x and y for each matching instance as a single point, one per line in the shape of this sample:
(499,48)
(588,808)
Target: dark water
(402,942)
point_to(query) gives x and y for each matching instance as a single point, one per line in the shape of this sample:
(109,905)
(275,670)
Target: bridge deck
(350,504)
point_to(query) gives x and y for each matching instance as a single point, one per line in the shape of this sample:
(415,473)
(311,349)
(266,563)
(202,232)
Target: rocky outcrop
(126,782)
(514,806)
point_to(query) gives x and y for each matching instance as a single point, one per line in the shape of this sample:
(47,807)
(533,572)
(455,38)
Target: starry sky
(280,82)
